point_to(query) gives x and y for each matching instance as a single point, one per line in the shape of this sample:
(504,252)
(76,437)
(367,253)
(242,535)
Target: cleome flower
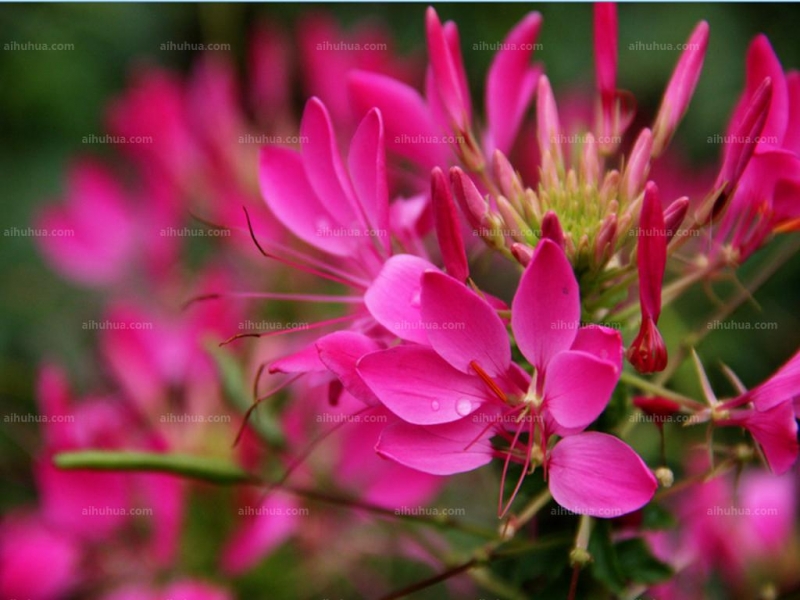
(460,391)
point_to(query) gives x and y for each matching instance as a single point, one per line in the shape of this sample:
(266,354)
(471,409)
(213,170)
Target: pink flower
(768,412)
(91,235)
(415,124)
(448,391)
(766,188)
(39,561)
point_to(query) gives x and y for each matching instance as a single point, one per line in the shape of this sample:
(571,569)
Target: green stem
(212,470)
(658,390)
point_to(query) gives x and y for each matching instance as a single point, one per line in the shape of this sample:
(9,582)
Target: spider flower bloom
(455,394)
(768,412)
(764,125)
(446,108)
(647,352)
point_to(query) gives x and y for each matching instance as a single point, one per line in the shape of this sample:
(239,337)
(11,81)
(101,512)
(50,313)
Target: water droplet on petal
(415,300)
(464,406)
(435,405)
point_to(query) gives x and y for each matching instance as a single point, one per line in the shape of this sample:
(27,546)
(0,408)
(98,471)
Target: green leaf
(639,564)
(212,470)
(263,421)
(606,566)
(657,517)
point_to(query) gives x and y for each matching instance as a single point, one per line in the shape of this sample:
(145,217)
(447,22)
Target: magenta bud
(674,215)
(638,166)
(472,203)
(548,127)
(448,227)
(551,228)
(506,177)
(522,252)
(680,88)
(648,353)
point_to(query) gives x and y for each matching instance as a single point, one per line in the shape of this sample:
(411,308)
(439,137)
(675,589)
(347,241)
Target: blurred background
(52,100)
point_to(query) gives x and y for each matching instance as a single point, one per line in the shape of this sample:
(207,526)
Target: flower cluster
(374,226)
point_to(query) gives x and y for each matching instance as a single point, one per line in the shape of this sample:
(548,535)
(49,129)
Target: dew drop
(415,300)
(464,406)
(435,405)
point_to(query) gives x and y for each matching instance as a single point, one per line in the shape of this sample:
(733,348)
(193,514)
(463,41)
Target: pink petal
(367,163)
(744,133)
(393,299)
(546,309)
(775,430)
(323,164)
(340,352)
(603,342)
(462,327)
(39,561)
(444,67)
(781,387)
(578,387)
(407,119)
(599,475)
(295,204)
(418,386)
(448,227)
(261,529)
(439,449)
(762,63)
(511,83)
(792,139)
(304,361)
(90,237)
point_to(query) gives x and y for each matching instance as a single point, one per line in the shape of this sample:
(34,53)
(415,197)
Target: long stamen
(275,296)
(304,327)
(525,465)
(352,282)
(488,380)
